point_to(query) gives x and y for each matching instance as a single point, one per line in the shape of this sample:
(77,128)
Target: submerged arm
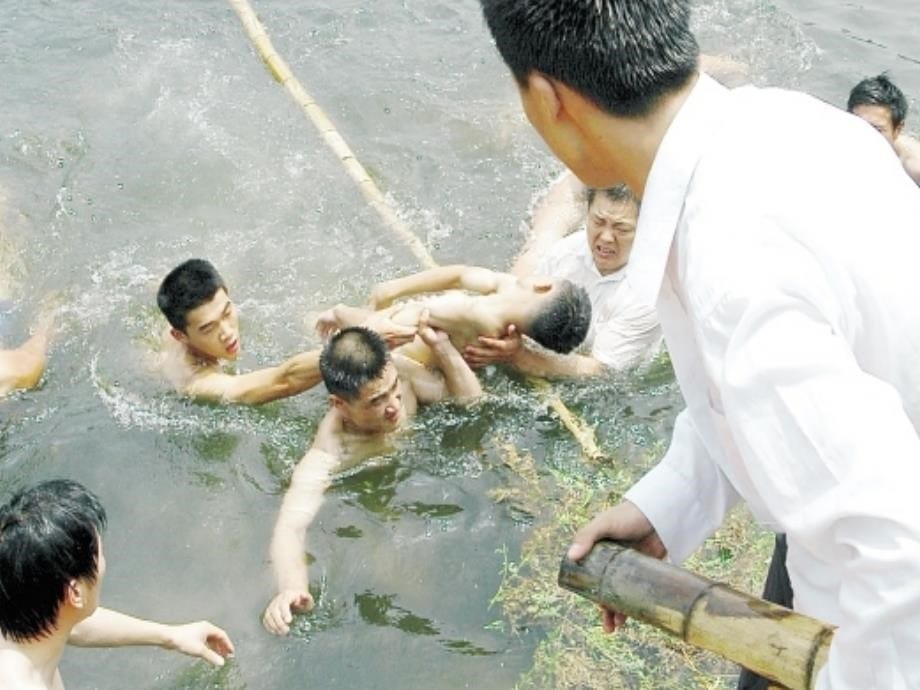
(301,502)
(108,628)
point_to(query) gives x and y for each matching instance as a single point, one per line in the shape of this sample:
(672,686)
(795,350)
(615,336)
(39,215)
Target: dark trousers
(778,590)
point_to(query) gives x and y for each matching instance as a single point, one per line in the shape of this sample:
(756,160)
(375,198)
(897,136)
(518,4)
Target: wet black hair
(49,536)
(562,324)
(350,359)
(622,54)
(186,287)
(880,90)
(617,194)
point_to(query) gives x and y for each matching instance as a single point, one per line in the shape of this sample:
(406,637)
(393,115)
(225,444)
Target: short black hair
(350,359)
(619,193)
(49,536)
(187,287)
(563,323)
(880,90)
(622,54)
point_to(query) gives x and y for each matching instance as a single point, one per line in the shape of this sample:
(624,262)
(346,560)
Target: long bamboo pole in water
(770,640)
(282,73)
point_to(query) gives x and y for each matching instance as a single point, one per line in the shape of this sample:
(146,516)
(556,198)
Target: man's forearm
(108,628)
(301,371)
(432,280)
(551,365)
(461,382)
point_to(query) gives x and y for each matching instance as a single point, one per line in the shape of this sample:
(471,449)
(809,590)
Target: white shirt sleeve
(835,459)
(686,496)
(627,339)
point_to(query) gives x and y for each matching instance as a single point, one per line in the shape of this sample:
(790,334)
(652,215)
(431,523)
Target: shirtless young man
(878,101)
(204,333)
(371,393)
(51,570)
(555,313)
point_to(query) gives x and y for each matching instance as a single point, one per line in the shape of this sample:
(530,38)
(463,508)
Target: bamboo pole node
(775,642)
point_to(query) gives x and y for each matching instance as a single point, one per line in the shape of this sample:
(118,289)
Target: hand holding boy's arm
(460,381)
(510,349)
(108,628)
(381,322)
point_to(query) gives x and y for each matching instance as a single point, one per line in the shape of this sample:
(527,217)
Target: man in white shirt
(782,267)
(624,331)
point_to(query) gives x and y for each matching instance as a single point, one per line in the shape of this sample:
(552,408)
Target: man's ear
(541,102)
(340,404)
(178,335)
(74,596)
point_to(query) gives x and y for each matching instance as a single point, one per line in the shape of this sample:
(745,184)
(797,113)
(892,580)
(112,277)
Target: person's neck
(512,306)
(40,658)
(634,141)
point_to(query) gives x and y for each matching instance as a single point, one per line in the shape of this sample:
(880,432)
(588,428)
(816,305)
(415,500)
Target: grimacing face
(611,229)
(379,405)
(213,329)
(879,116)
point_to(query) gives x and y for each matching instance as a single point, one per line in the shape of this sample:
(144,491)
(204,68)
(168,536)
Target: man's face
(879,116)
(379,405)
(611,231)
(213,329)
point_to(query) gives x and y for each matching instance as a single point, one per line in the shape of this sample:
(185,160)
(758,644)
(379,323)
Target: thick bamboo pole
(772,641)
(282,73)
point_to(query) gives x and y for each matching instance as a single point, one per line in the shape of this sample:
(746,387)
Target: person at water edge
(371,395)
(51,570)
(878,101)
(204,333)
(554,313)
(624,332)
(793,334)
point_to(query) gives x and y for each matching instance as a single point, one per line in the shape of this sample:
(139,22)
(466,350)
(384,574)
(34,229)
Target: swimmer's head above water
(561,319)
(362,381)
(194,299)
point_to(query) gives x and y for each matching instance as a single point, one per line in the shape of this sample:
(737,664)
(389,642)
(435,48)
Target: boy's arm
(294,376)
(457,277)
(301,503)
(381,322)
(108,628)
(456,379)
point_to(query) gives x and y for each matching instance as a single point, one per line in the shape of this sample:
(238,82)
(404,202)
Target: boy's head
(562,316)
(50,558)
(880,103)
(362,381)
(193,298)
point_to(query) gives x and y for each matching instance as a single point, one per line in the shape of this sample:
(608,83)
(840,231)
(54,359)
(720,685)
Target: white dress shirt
(624,330)
(779,238)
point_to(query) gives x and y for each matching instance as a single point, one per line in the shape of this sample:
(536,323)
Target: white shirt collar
(667,185)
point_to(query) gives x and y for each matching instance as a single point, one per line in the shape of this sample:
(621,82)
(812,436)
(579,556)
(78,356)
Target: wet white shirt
(624,331)
(779,239)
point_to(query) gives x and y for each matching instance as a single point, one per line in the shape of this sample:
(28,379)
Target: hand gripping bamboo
(770,640)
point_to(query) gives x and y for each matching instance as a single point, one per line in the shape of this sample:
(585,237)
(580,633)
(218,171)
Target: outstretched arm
(457,277)
(301,503)
(108,628)
(294,376)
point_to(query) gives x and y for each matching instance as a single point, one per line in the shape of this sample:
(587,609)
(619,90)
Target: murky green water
(137,134)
